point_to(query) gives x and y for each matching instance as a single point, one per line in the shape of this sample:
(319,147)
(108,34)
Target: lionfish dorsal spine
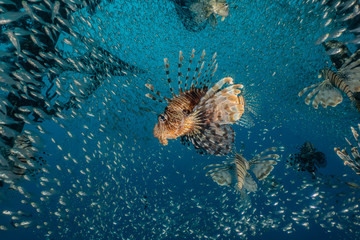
(167,66)
(189,68)
(151,96)
(338,82)
(210,70)
(197,71)
(181,58)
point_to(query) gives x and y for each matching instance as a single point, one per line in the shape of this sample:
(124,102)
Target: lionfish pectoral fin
(227,105)
(262,169)
(327,96)
(246,121)
(197,7)
(261,155)
(307,88)
(213,20)
(250,184)
(199,18)
(222,177)
(251,108)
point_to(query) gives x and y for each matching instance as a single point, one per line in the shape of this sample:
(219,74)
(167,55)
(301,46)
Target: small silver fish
(10,17)
(55,10)
(322,38)
(14,40)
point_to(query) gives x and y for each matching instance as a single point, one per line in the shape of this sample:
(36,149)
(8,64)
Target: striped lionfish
(208,9)
(328,92)
(237,171)
(199,114)
(354,161)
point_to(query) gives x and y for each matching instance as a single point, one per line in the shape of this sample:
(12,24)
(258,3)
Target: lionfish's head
(168,127)
(160,130)
(221,8)
(307,147)
(175,121)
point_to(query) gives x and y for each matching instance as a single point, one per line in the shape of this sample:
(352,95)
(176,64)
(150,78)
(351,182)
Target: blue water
(118,182)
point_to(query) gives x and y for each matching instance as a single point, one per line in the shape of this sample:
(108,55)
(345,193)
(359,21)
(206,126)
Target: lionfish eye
(186,112)
(161,117)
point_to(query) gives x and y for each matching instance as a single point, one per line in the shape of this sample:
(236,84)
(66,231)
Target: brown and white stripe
(338,82)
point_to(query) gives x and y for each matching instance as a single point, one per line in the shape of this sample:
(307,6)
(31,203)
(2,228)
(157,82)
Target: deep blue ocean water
(109,178)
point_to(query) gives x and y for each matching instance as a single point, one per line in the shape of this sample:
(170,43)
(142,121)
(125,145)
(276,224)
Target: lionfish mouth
(158,133)
(222,11)
(163,141)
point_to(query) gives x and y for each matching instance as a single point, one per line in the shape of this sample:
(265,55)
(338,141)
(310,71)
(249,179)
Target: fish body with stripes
(238,171)
(329,92)
(200,114)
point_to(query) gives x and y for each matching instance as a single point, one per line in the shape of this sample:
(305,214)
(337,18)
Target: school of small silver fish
(91,129)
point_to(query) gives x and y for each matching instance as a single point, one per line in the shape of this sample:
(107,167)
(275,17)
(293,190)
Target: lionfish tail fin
(214,139)
(251,109)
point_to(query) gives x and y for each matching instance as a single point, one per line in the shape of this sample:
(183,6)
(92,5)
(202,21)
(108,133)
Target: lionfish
(352,161)
(200,114)
(308,159)
(236,172)
(208,9)
(328,92)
